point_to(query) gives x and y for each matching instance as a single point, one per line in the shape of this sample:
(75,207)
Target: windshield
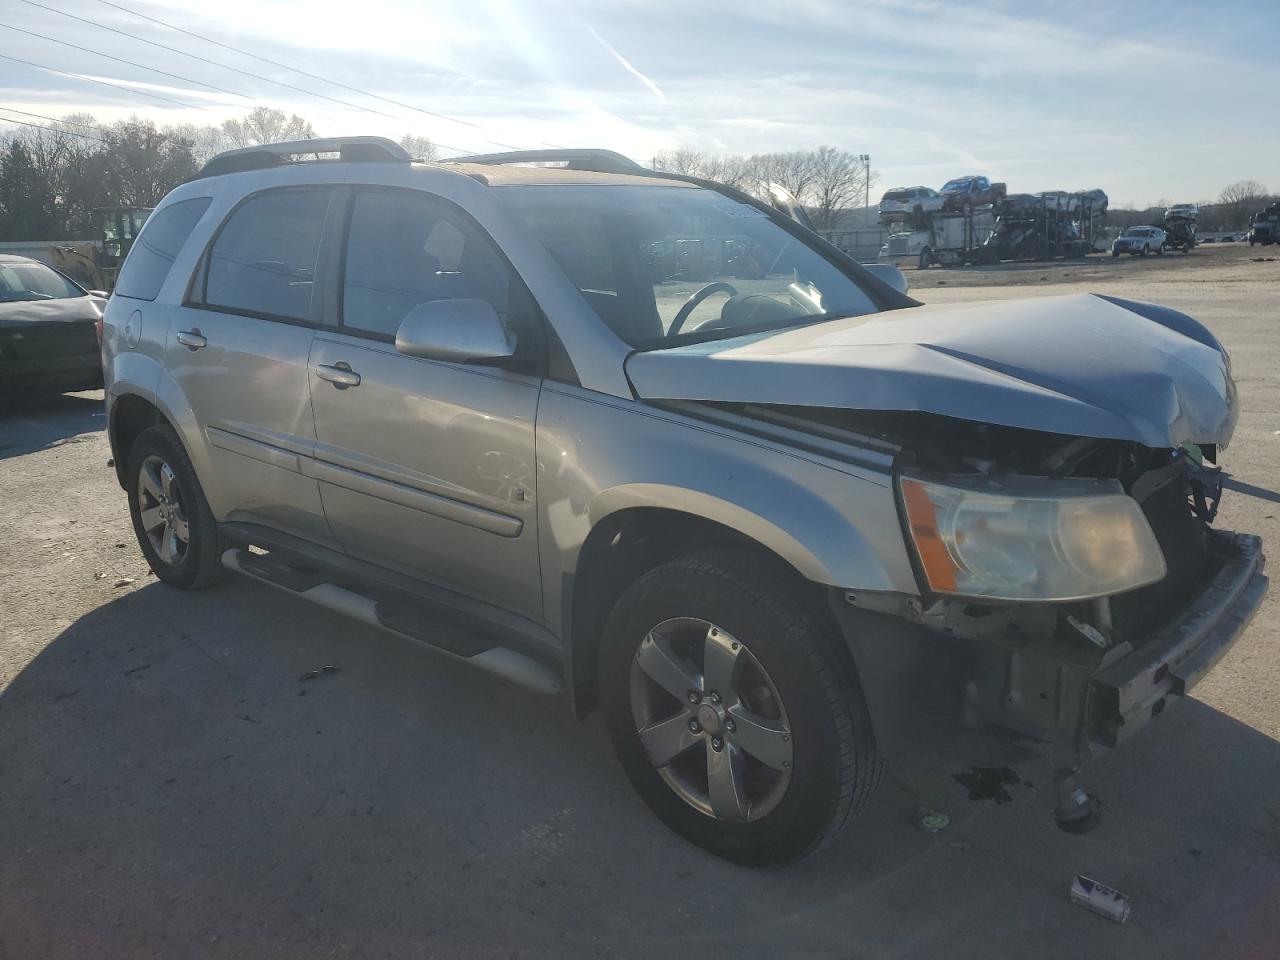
(661,264)
(956,186)
(34,281)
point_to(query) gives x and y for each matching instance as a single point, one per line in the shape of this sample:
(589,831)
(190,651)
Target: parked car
(909,200)
(1139,241)
(779,525)
(965,193)
(49,330)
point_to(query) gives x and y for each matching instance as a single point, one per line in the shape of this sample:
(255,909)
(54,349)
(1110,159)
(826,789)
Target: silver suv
(642,440)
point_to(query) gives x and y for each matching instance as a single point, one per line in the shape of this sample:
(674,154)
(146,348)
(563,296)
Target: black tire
(200,564)
(757,601)
(1146,248)
(1115,253)
(1160,250)
(926,259)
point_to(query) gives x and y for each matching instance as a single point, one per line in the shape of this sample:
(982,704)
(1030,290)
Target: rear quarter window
(153,253)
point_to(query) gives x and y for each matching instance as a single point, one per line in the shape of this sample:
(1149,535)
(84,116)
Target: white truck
(943,238)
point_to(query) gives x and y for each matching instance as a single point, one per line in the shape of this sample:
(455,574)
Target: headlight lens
(1030,539)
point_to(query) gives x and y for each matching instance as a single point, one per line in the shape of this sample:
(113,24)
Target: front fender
(834,522)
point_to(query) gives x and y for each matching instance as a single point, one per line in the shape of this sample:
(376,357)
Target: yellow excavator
(95,265)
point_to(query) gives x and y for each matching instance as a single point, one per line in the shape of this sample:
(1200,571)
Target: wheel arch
(634,537)
(168,405)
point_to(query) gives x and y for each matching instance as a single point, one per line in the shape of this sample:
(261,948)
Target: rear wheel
(734,707)
(1160,250)
(171,517)
(1146,248)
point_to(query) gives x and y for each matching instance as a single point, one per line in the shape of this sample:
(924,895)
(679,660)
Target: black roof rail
(267,155)
(594,160)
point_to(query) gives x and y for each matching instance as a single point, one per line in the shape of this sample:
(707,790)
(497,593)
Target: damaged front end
(1038,661)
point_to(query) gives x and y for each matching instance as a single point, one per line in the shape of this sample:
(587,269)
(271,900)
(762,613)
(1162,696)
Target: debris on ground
(327,668)
(989,783)
(933,821)
(123,582)
(1101,899)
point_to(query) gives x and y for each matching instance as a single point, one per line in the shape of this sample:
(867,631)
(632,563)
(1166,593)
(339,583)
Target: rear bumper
(1124,695)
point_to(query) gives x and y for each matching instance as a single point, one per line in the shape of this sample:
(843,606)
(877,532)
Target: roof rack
(267,155)
(594,160)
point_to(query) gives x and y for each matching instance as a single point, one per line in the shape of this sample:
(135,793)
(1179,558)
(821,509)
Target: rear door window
(263,260)
(153,253)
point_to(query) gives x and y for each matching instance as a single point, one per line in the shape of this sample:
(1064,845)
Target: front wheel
(926,259)
(734,707)
(1160,250)
(171,517)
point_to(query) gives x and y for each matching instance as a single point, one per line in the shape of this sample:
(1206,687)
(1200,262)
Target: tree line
(53,176)
(826,180)
(1233,210)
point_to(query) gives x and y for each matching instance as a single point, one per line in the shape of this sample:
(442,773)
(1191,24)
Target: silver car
(646,442)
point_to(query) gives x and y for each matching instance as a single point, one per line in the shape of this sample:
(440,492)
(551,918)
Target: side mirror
(888,273)
(460,331)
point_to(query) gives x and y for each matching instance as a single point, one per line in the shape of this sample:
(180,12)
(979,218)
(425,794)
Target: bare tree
(206,141)
(419,147)
(794,171)
(683,160)
(1240,200)
(266,125)
(839,182)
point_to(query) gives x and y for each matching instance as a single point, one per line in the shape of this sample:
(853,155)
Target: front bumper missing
(1129,690)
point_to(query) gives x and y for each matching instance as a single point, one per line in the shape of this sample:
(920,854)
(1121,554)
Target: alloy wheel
(711,720)
(162,511)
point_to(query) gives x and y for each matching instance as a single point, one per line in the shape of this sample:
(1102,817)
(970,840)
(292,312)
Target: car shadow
(169,779)
(28,424)
(1250,490)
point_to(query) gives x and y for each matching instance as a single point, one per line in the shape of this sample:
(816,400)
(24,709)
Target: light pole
(866,174)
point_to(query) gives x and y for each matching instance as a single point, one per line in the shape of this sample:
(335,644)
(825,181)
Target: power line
(105,83)
(62,120)
(40,126)
(128,63)
(304,73)
(215,63)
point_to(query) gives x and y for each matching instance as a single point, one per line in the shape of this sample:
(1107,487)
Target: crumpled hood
(1084,365)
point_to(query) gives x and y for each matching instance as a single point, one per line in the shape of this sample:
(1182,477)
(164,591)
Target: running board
(399,617)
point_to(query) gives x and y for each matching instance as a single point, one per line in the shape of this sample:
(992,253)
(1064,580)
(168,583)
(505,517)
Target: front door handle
(192,338)
(339,374)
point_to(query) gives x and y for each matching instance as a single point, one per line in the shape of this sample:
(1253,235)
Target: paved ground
(169,788)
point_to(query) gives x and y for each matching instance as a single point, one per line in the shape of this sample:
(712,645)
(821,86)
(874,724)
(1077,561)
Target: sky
(1151,101)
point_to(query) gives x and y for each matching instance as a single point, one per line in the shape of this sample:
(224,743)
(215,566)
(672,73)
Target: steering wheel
(696,298)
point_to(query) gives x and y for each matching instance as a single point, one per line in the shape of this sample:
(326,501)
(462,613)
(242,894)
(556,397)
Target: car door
(239,349)
(426,466)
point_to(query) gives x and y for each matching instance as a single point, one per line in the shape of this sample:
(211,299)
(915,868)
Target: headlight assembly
(1030,539)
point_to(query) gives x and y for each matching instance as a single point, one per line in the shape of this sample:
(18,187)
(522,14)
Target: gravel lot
(170,788)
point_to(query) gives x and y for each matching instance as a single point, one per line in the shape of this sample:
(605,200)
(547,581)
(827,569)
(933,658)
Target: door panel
(428,467)
(248,390)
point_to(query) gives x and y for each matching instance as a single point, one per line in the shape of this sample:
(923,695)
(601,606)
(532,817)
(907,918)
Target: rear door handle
(339,374)
(192,338)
